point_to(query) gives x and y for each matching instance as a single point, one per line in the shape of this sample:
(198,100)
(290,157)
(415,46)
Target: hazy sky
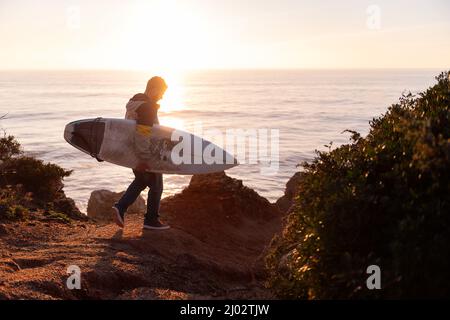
(202,34)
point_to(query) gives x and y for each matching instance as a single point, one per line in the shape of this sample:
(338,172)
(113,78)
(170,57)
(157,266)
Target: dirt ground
(214,250)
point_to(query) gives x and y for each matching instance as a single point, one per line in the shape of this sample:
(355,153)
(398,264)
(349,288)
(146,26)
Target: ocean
(309,108)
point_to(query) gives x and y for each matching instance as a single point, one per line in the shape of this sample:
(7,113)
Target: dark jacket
(145,112)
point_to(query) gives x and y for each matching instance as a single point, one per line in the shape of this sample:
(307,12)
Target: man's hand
(142,166)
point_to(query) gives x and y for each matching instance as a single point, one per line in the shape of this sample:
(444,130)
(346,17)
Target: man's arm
(144,123)
(146,114)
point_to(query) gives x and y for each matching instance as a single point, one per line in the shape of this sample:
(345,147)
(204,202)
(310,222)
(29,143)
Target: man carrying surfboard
(143,108)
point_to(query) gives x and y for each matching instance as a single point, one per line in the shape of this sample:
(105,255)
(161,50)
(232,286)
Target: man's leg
(155,182)
(133,191)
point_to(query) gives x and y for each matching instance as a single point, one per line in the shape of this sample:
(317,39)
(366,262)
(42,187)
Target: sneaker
(119,217)
(155,224)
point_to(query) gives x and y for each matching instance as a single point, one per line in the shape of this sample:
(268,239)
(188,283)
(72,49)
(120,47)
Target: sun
(166,39)
(173,100)
(174,97)
(165,35)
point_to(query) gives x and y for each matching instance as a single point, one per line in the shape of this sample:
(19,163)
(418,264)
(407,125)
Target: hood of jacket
(134,104)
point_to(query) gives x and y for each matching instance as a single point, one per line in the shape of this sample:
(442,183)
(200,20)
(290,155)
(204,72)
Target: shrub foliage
(26,182)
(383,200)
(42,179)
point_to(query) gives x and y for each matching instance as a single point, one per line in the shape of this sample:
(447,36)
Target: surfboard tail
(86,135)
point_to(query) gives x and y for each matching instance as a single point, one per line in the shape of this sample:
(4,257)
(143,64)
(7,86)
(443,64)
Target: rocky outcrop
(101,201)
(222,212)
(215,249)
(285,202)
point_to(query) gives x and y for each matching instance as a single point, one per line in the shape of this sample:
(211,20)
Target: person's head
(156,87)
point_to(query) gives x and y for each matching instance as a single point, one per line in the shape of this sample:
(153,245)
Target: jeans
(141,181)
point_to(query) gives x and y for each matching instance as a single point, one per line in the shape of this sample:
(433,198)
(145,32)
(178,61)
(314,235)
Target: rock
(219,209)
(285,202)
(101,201)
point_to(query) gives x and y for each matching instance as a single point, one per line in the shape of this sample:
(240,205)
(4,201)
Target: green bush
(11,205)
(42,179)
(383,200)
(9,147)
(57,216)
(27,184)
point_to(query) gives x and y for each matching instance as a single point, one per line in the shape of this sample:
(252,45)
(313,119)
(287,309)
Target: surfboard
(171,151)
